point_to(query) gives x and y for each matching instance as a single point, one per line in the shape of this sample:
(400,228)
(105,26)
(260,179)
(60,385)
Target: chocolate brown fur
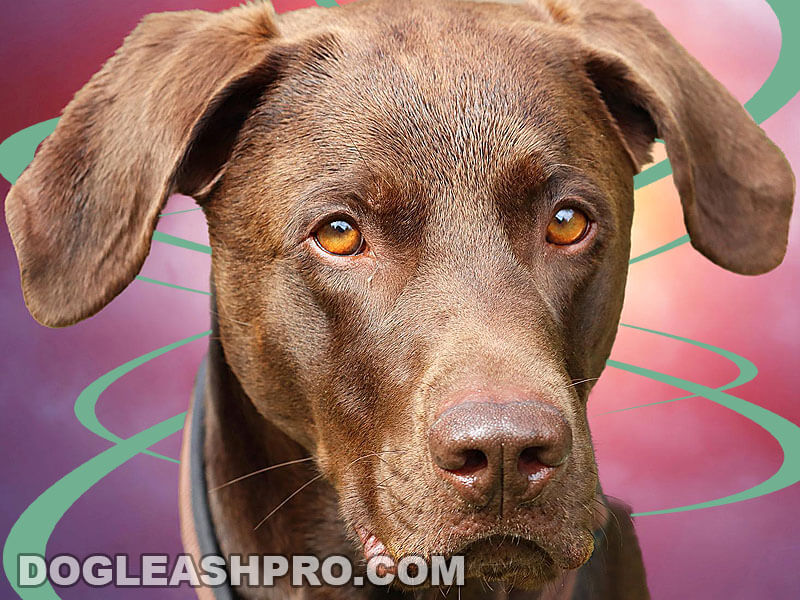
(449,131)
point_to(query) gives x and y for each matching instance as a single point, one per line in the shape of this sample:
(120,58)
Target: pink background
(657,457)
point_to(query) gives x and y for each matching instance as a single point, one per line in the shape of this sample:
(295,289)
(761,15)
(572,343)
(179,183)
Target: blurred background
(657,457)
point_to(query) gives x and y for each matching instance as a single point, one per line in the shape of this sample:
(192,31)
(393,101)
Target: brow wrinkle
(371,172)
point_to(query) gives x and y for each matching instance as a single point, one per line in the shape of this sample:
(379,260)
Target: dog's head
(419,215)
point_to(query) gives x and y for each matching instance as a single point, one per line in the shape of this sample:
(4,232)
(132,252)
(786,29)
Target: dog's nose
(508,450)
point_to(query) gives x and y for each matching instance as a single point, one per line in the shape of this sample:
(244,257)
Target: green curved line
(17,150)
(179,212)
(86,403)
(33,528)
(658,171)
(781,86)
(166,238)
(171,285)
(656,251)
(783,83)
(786,433)
(747,369)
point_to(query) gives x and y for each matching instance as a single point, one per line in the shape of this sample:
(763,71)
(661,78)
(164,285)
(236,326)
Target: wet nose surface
(499,450)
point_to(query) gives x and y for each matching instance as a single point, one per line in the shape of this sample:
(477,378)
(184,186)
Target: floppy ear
(735,185)
(160,117)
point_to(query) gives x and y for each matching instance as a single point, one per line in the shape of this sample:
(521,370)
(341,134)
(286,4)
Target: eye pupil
(339,237)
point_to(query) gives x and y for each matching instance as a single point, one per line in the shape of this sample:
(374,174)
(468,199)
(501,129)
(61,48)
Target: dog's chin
(519,563)
(525,563)
(516,561)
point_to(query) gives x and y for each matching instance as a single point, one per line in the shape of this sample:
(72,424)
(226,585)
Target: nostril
(529,464)
(474,461)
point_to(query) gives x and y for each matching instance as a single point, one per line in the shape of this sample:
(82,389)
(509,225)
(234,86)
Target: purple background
(675,454)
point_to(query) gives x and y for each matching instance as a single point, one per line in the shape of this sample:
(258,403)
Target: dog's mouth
(496,557)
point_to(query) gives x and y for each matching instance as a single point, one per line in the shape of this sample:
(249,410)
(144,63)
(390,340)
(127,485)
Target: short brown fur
(450,132)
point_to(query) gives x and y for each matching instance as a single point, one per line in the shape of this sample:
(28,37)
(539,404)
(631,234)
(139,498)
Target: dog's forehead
(443,92)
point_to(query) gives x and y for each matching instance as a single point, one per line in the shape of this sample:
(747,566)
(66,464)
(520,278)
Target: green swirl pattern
(33,529)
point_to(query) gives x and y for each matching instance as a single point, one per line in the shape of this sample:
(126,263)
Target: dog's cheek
(368,442)
(274,338)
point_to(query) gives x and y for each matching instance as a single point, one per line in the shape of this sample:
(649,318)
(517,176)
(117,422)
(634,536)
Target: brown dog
(419,214)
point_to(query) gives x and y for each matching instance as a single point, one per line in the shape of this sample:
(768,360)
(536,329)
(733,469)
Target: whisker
(221,316)
(607,509)
(259,471)
(312,480)
(374,454)
(394,512)
(380,484)
(603,510)
(580,381)
(289,497)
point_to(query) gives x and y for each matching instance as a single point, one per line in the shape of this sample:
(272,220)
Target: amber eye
(568,226)
(339,237)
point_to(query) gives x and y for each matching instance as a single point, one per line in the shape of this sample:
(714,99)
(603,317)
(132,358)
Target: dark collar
(201,513)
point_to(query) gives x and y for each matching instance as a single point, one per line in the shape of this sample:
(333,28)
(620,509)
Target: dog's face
(407,251)
(419,215)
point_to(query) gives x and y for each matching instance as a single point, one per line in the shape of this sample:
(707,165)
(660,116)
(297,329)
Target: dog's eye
(339,237)
(568,226)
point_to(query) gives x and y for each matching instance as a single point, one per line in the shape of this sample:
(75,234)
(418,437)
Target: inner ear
(215,135)
(636,126)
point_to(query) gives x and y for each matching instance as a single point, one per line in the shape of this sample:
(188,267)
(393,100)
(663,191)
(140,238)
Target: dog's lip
(370,543)
(488,540)
(372,546)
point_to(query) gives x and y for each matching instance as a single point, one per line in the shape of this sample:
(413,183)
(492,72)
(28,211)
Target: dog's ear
(160,117)
(735,185)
